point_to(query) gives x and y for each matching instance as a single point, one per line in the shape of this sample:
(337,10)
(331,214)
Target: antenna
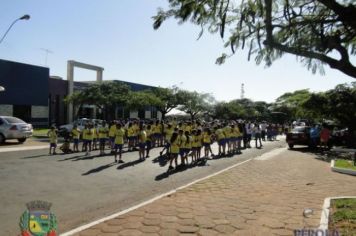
(242,91)
(46,51)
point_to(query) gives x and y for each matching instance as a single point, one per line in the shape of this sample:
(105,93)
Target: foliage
(141,99)
(316,31)
(167,99)
(105,96)
(194,103)
(241,109)
(337,104)
(291,104)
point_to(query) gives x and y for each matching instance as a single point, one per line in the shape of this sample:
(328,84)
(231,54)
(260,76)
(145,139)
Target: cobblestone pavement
(260,197)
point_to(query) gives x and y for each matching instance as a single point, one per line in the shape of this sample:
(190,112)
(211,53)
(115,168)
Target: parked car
(299,135)
(14,128)
(63,129)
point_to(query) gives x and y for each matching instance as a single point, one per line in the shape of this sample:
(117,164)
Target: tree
(318,32)
(291,104)
(141,99)
(105,96)
(228,111)
(338,104)
(77,99)
(167,99)
(194,103)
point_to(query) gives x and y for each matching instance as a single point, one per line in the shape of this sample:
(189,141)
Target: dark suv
(300,135)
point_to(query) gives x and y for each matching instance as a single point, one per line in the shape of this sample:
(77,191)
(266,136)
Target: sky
(118,36)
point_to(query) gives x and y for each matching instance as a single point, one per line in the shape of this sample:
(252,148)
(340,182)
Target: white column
(70,76)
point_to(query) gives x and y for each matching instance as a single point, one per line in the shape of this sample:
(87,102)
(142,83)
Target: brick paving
(260,197)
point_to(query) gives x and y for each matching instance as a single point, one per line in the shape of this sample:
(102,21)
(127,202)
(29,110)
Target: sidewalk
(30,144)
(265,196)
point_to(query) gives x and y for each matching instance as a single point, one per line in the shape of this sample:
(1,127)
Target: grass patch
(343,216)
(40,132)
(345,164)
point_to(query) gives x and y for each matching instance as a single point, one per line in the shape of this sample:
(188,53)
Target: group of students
(184,139)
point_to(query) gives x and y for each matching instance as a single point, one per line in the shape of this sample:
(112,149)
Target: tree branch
(346,14)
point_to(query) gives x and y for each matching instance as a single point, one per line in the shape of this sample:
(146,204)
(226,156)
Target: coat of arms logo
(37,220)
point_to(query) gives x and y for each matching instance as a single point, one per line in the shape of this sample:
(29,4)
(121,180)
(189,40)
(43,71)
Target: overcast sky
(118,36)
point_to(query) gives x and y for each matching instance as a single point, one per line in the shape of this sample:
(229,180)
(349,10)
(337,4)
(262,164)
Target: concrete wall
(133,114)
(39,112)
(148,114)
(6,110)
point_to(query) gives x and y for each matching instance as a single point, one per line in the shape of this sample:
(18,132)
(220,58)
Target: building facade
(26,92)
(36,97)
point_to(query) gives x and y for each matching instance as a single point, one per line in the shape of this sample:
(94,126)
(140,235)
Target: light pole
(24,17)
(2,89)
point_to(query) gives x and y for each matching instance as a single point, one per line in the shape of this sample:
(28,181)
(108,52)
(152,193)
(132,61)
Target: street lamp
(24,17)
(2,89)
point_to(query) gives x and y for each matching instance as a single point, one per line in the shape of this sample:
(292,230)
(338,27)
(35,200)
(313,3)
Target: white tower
(242,91)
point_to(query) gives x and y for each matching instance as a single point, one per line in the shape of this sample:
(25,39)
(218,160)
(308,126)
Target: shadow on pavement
(320,154)
(162,160)
(42,155)
(100,168)
(180,168)
(128,164)
(91,157)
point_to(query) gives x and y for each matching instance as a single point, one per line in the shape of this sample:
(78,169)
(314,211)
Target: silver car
(14,128)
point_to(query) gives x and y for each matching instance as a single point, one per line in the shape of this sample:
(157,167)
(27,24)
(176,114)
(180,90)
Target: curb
(341,170)
(325,212)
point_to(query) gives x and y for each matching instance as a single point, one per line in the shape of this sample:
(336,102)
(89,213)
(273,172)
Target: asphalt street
(83,189)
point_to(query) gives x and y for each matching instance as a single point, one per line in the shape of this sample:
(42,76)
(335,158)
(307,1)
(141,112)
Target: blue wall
(24,84)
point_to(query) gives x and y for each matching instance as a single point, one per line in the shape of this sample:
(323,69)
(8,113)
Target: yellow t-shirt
(136,129)
(76,133)
(198,140)
(103,132)
(148,134)
(112,131)
(220,134)
(169,133)
(119,136)
(131,131)
(142,136)
(182,141)
(89,134)
(188,128)
(175,146)
(206,138)
(188,144)
(52,134)
(158,129)
(228,132)
(237,132)
(95,133)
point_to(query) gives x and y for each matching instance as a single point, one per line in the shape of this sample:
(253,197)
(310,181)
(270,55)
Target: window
(13,120)
(23,112)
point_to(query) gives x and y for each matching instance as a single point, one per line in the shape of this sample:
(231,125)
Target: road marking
(271,154)
(86,226)
(13,149)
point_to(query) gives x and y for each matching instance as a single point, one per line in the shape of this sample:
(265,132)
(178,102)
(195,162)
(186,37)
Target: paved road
(83,189)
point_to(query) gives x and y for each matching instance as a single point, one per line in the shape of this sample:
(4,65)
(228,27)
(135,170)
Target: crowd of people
(180,140)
